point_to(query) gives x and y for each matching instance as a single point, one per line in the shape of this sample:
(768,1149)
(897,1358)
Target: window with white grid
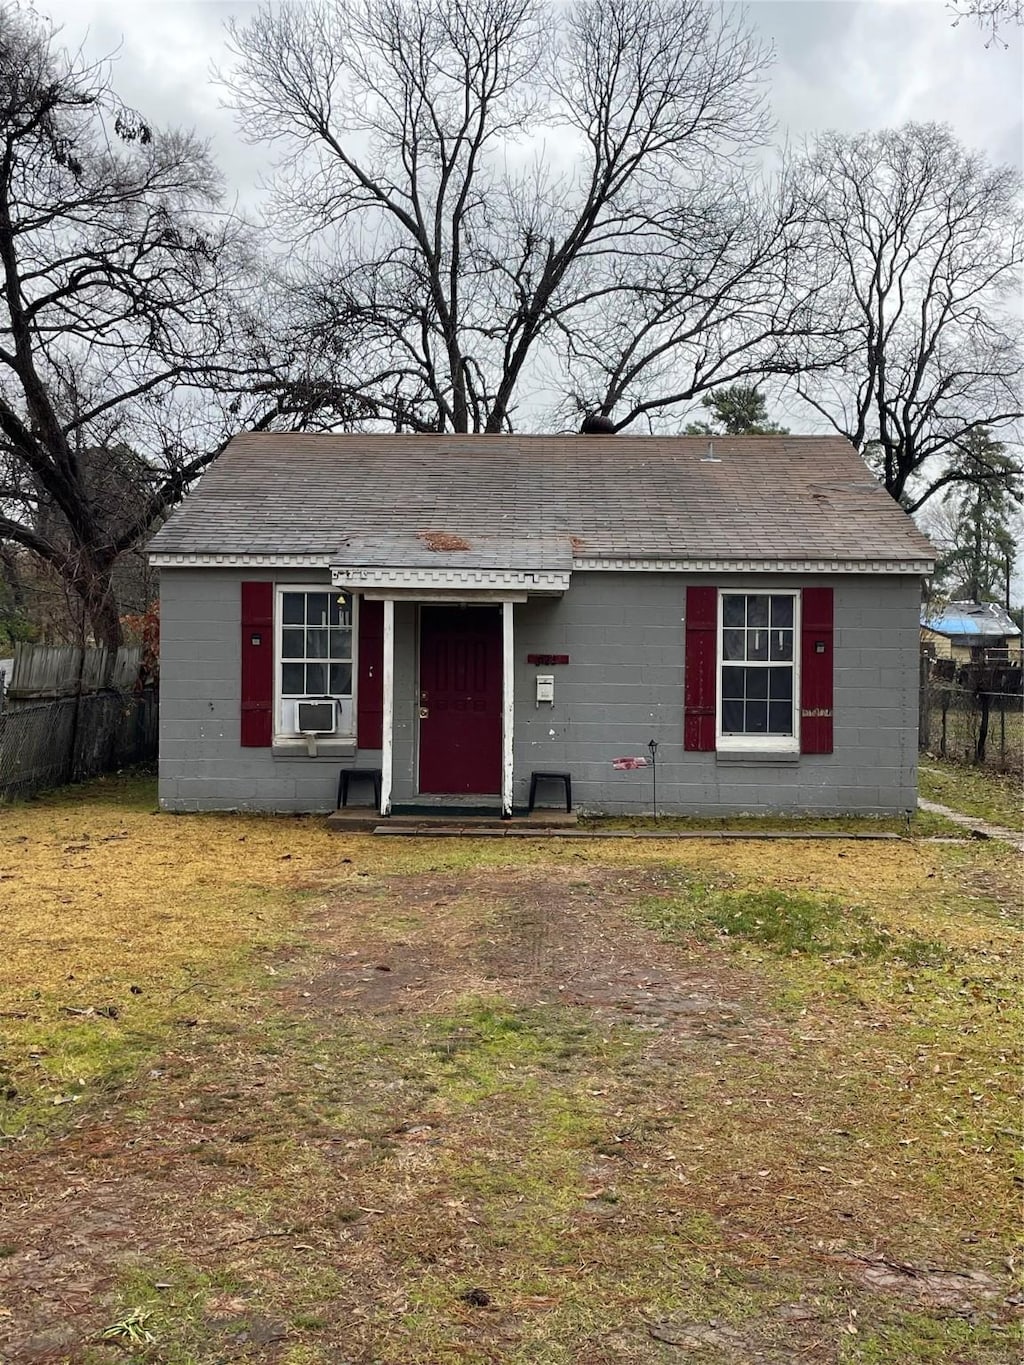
(315,655)
(758,669)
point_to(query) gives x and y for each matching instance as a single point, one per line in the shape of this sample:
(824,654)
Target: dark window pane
(732,644)
(293,608)
(781,684)
(316,678)
(757,718)
(732,717)
(757,611)
(782,612)
(757,683)
(316,644)
(780,717)
(780,644)
(341,644)
(732,682)
(316,608)
(341,680)
(757,644)
(292,680)
(293,643)
(733,610)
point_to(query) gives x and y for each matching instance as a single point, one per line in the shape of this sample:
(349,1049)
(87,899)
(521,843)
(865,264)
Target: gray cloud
(845,64)
(854,66)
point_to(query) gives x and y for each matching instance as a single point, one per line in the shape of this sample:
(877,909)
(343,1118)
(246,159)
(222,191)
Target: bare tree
(496,196)
(120,308)
(735,292)
(989,15)
(926,241)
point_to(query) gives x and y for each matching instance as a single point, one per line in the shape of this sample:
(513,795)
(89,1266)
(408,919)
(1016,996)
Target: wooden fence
(67,714)
(48,744)
(40,672)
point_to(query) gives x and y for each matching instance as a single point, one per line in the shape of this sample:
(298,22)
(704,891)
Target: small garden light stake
(652,744)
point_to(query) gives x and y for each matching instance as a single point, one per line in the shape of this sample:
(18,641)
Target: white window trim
(285,736)
(774,744)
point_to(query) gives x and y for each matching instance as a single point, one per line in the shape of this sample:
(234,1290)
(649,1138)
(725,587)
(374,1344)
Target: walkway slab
(981,828)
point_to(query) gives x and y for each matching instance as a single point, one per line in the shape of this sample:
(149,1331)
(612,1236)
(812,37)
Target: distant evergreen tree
(736,410)
(975,528)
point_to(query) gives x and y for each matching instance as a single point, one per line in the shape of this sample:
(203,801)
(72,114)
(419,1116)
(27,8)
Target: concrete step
(354,818)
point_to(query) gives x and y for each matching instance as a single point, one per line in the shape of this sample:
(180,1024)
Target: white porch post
(508,706)
(387,755)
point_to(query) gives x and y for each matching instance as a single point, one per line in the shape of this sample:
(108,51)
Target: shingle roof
(767,498)
(427,548)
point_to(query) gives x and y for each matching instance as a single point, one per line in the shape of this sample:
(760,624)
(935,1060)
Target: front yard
(273,1095)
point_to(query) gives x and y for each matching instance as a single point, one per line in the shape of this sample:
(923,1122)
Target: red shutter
(701,668)
(257,665)
(370,694)
(816,671)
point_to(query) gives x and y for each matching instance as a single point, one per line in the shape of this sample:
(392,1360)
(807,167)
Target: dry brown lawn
(273,1095)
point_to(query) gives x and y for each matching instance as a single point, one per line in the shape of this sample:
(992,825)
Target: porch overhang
(447,585)
(407,565)
(452,565)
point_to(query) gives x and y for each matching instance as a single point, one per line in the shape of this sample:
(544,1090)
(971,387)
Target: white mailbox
(545,687)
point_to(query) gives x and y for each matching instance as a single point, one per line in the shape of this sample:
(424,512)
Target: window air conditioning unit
(317,717)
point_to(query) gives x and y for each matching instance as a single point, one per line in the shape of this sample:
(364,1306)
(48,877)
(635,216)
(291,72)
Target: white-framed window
(758,670)
(314,658)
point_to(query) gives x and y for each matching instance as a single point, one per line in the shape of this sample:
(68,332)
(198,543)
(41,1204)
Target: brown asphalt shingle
(763,497)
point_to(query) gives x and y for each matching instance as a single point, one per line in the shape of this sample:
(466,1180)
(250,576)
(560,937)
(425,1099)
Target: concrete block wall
(202,763)
(624,634)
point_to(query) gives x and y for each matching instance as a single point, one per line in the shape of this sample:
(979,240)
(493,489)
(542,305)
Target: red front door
(460,700)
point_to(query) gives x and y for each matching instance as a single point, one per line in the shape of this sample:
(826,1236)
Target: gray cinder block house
(460,612)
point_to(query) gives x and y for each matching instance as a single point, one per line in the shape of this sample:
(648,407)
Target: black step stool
(564,778)
(361,775)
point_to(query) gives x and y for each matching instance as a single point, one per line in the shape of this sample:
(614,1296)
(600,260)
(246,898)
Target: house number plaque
(547,660)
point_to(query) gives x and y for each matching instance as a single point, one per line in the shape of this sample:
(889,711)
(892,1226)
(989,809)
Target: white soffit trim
(426,595)
(238,561)
(531,582)
(624,565)
(487,580)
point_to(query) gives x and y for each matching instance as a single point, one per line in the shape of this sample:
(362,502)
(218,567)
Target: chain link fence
(972,712)
(47,744)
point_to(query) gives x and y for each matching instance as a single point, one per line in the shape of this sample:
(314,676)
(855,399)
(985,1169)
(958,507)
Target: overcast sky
(845,64)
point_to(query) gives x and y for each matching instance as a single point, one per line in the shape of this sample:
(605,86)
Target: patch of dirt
(247,1330)
(694,1336)
(958,1291)
(542,942)
(720,1342)
(68,1246)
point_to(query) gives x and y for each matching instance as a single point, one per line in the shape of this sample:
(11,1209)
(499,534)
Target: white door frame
(507,708)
